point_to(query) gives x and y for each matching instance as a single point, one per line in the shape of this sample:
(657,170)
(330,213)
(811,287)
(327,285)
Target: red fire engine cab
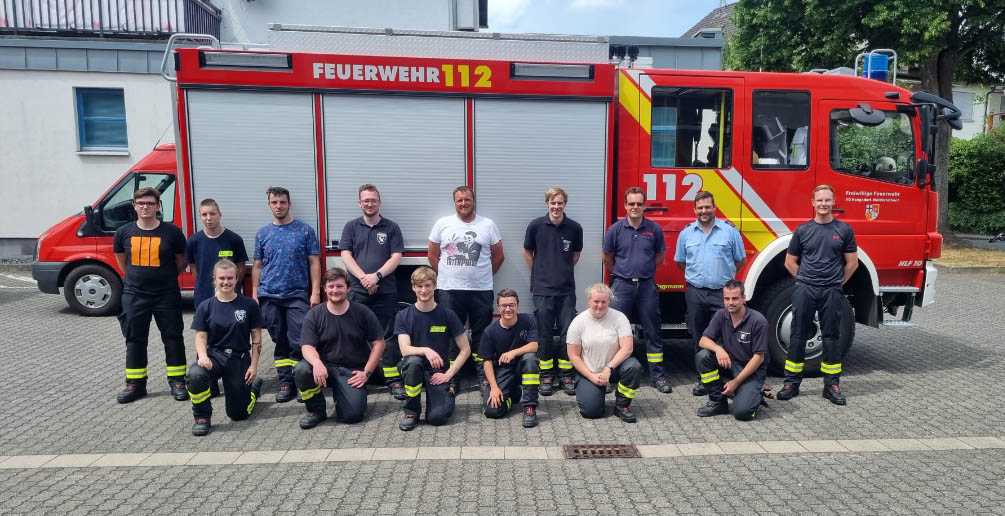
(324,110)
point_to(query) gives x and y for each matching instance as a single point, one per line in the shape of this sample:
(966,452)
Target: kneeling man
(342,343)
(733,346)
(508,348)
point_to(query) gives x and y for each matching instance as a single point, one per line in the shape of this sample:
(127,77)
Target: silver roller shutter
(244,142)
(411,148)
(524,147)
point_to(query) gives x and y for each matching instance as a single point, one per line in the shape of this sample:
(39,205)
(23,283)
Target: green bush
(977,183)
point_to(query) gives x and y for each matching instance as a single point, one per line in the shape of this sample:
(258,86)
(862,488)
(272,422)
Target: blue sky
(662,18)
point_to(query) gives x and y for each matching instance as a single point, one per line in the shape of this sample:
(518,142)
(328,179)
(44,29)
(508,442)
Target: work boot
(397,391)
(529,417)
(132,392)
(833,393)
(455,387)
(568,386)
(214,389)
(699,390)
(714,408)
(256,388)
(545,388)
(663,385)
(178,390)
(201,426)
(408,422)
(311,420)
(625,413)
(286,393)
(789,391)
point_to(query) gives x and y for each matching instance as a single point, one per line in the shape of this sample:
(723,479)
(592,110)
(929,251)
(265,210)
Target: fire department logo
(523,335)
(871,211)
(381,238)
(240,315)
(744,337)
(566,245)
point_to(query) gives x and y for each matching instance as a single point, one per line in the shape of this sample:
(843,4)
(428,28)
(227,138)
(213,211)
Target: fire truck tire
(93,290)
(776,306)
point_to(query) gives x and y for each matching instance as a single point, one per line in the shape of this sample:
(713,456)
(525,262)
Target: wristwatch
(379,276)
(367,373)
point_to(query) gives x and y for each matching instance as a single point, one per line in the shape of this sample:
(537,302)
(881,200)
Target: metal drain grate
(601,451)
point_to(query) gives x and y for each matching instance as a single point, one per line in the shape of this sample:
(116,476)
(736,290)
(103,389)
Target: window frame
(762,167)
(83,145)
(730,134)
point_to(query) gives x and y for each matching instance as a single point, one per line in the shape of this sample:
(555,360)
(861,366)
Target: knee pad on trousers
(303,373)
(197,378)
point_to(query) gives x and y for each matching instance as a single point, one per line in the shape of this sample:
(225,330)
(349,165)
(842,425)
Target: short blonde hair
(423,274)
(599,288)
(553,191)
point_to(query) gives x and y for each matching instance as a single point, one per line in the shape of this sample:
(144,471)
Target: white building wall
(974,122)
(44,177)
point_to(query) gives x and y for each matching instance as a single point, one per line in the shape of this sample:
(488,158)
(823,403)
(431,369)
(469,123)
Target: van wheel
(93,290)
(776,306)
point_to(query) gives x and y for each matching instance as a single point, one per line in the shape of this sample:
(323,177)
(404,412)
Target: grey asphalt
(939,381)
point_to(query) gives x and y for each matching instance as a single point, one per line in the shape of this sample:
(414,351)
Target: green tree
(945,39)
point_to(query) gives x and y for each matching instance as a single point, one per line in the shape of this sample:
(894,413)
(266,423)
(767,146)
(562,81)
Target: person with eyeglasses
(152,255)
(371,247)
(508,348)
(633,248)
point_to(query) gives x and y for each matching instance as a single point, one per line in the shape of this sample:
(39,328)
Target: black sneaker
(833,393)
(201,427)
(397,391)
(545,388)
(529,417)
(214,389)
(789,391)
(663,385)
(311,420)
(568,386)
(178,390)
(714,408)
(408,422)
(699,390)
(625,413)
(131,393)
(286,393)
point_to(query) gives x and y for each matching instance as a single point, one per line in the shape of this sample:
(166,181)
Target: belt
(633,280)
(692,285)
(228,352)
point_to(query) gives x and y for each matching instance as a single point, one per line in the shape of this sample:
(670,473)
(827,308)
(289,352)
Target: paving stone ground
(937,380)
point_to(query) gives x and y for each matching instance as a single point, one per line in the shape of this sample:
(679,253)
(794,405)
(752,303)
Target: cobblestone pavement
(937,382)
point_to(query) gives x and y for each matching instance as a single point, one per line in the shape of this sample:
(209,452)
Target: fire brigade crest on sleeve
(240,315)
(381,237)
(871,211)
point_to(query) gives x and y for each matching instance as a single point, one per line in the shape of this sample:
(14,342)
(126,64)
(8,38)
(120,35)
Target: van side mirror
(90,226)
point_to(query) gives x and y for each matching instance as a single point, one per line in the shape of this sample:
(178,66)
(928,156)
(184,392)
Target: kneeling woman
(600,348)
(224,325)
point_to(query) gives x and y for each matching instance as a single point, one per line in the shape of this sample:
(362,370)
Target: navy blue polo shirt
(553,247)
(204,251)
(228,324)
(434,329)
(743,341)
(498,340)
(372,247)
(634,249)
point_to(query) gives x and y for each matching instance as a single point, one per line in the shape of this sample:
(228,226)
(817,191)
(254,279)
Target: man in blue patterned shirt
(286,282)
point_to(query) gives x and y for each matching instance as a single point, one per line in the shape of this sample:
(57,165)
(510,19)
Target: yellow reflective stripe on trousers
(198,397)
(793,367)
(413,390)
(532,379)
(629,393)
(477,358)
(251,406)
(176,370)
(309,393)
(654,357)
(548,364)
(564,364)
(710,376)
(136,374)
(391,372)
(830,368)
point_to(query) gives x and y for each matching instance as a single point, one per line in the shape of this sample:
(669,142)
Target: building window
(692,128)
(965,101)
(780,139)
(101,119)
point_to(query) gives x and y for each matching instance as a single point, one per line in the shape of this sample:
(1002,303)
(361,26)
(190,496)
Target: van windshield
(116,209)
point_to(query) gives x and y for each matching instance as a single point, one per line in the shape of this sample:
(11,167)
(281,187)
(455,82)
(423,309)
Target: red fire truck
(324,110)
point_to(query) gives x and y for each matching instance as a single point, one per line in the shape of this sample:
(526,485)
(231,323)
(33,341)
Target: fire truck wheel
(776,306)
(93,290)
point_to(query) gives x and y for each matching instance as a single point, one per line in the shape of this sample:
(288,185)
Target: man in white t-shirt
(466,250)
(600,349)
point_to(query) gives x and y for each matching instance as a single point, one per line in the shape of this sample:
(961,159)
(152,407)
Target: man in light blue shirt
(709,251)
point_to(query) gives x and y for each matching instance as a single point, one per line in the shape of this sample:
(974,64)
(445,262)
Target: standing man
(426,331)
(508,349)
(466,250)
(342,343)
(734,346)
(709,251)
(371,250)
(633,248)
(211,245)
(286,282)
(551,248)
(151,254)
(822,256)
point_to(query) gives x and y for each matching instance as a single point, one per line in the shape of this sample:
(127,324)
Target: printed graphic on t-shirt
(381,237)
(566,244)
(240,315)
(145,251)
(462,250)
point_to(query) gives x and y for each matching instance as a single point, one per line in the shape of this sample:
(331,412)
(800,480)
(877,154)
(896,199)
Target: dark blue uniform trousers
(640,302)
(522,373)
(590,397)
(239,400)
(416,371)
(350,402)
(747,397)
(284,318)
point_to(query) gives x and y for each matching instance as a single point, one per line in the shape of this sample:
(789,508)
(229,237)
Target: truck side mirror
(924,171)
(866,115)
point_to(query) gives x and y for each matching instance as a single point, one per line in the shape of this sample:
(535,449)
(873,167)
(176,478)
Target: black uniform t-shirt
(821,248)
(434,329)
(150,258)
(228,324)
(341,339)
(497,340)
